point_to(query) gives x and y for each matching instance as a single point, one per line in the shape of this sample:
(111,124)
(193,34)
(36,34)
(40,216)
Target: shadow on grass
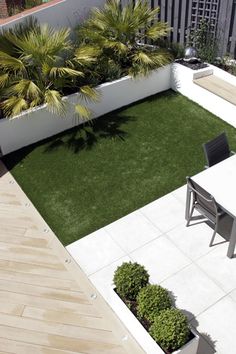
(82,137)
(86,136)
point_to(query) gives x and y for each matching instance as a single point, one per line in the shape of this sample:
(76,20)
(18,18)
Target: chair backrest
(202,197)
(216,150)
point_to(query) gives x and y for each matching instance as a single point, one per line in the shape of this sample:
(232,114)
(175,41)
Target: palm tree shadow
(86,136)
(82,137)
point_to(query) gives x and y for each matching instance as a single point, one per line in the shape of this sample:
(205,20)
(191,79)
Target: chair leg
(214,233)
(213,237)
(190,216)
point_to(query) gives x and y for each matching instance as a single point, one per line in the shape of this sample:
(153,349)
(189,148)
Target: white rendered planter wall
(139,332)
(182,81)
(38,124)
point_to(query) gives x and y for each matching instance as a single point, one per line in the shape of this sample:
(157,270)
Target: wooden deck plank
(88,332)
(59,342)
(40,280)
(219,87)
(51,304)
(16,347)
(46,302)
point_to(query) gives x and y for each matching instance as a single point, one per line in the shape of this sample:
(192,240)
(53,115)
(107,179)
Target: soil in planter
(132,306)
(193,66)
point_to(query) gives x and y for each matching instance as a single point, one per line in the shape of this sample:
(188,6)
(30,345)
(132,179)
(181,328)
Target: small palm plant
(121,34)
(38,64)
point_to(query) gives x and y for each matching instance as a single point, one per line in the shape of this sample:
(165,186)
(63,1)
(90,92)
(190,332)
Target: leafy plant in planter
(121,33)
(129,278)
(152,305)
(205,41)
(38,65)
(170,329)
(151,300)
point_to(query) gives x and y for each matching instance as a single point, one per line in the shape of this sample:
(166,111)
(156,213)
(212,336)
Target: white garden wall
(39,124)
(64,13)
(182,81)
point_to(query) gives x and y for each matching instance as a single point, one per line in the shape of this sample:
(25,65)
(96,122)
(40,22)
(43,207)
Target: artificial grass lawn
(88,177)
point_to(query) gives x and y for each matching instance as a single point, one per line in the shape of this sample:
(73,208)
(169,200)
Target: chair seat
(207,213)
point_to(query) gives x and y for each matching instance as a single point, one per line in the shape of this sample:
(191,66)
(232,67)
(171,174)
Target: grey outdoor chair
(205,204)
(217,150)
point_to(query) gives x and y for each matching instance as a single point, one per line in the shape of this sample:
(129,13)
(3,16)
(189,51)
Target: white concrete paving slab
(219,267)
(95,251)
(233,295)
(180,194)
(194,240)
(193,291)
(219,321)
(161,258)
(132,231)
(202,279)
(165,213)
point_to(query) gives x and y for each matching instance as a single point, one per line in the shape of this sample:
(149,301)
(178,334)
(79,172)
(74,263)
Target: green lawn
(88,177)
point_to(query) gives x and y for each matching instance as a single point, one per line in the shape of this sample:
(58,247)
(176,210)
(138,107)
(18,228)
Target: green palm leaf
(8,62)
(82,111)
(89,94)
(59,72)
(4,79)
(55,103)
(86,55)
(13,106)
(25,88)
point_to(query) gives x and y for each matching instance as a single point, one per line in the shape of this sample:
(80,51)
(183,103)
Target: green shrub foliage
(170,329)
(151,300)
(129,278)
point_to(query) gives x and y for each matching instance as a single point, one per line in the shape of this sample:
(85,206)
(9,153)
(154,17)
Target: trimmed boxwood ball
(151,300)
(129,278)
(170,329)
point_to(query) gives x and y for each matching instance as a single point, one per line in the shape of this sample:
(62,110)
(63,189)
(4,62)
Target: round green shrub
(170,329)
(151,300)
(129,278)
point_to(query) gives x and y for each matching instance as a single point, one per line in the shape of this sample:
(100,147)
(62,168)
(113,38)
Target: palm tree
(122,33)
(38,64)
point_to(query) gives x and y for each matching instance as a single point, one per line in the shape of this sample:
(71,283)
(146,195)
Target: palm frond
(55,103)
(13,106)
(25,88)
(8,62)
(4,79)
(89,94)
(158,30)
(82,111)
(60,72)
(86,54)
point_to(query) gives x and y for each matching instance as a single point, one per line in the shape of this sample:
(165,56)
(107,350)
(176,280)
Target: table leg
(232,241)
(188,200)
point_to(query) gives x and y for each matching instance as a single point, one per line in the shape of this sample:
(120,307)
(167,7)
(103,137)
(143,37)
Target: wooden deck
(47,304)
(219,87)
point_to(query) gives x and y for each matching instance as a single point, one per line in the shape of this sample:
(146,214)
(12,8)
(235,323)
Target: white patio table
(220,181)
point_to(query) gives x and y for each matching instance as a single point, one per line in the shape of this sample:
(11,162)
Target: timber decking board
(45,299)
(218,86)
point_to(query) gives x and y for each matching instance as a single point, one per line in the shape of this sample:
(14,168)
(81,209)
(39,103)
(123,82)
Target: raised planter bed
(182,80)
(37,124)
(140,333)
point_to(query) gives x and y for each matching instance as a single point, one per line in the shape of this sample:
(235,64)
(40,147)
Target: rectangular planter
(37,124)
(182,80)
(139,332)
